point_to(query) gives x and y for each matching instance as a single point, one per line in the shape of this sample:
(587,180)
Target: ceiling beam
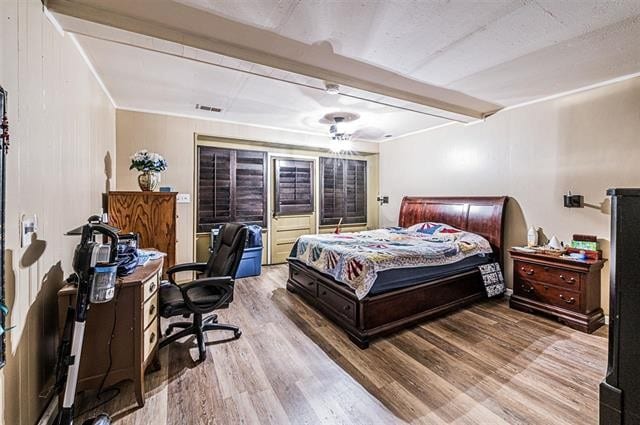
(188,26)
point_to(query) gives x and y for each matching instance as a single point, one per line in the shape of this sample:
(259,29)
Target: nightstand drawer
(547,274)
(547,294)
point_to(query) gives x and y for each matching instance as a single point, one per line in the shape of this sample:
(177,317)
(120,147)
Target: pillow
(431,228)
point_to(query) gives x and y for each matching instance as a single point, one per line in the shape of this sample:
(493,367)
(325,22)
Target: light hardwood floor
(486,364)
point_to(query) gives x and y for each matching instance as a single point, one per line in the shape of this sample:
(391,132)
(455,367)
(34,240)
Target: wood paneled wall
(60,162)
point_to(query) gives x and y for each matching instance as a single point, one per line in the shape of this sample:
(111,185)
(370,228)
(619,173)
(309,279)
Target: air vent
(207,108)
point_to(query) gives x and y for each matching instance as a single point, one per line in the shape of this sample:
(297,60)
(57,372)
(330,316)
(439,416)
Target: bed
(405,300)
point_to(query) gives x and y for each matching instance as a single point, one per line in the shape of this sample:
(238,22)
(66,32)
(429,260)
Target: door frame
(271,193)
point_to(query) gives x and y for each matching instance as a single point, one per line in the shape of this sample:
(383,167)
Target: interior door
(293,205)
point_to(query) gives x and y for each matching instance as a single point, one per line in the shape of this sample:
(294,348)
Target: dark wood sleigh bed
(384,313)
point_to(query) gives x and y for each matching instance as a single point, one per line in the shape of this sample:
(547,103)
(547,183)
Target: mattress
(390,280)
(393,279)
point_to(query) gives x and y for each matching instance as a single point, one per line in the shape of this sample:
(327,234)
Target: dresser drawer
(547,274)
(150,287)
(149,311)
(150,338)
(547,294)
(304,280)
(337,302)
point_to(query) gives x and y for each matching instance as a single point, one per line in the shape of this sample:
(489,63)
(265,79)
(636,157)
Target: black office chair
(212,290)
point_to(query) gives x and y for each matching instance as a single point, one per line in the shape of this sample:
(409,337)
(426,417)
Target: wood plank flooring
(486,364)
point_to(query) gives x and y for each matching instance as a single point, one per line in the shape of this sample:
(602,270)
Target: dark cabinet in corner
(620,390)
(150,214)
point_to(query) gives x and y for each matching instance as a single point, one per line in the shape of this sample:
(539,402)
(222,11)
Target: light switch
(183,198)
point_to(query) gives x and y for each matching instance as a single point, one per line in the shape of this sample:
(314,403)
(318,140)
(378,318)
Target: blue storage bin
(251,263)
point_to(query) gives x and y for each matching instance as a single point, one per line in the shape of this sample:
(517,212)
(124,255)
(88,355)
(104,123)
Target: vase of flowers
(150,165)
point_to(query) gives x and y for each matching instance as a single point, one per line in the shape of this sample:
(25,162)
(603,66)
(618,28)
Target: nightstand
(564,288)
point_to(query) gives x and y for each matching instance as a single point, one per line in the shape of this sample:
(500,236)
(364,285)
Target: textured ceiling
(499,52)
(505,52)
(142,79)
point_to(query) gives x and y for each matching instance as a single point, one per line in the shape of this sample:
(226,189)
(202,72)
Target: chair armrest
(186,267)
(224,284)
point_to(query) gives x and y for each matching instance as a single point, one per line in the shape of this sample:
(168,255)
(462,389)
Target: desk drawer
(547,274)
(149,311)
(150,338)
(150,287)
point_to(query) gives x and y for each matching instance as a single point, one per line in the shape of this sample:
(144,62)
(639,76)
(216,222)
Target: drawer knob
(152,337)
(526,289)
(346,308)
(568,300)
(324,292)
(528,272)
(570,280)
(152,309)
(152,287)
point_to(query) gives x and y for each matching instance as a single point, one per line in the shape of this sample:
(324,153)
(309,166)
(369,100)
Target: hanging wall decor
(4,147)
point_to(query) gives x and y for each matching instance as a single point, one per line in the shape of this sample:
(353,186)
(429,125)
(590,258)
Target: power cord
(101,389)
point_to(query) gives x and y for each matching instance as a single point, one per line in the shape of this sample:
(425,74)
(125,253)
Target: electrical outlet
(183,198)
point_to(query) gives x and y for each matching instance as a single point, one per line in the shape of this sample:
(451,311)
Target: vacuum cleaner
(95,267)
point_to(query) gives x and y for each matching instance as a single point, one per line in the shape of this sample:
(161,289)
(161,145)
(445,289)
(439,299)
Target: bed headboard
(481,215)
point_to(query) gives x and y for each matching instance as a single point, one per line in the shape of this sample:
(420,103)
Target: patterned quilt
(356,258)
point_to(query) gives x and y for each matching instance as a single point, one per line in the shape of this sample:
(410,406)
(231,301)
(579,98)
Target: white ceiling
(506,52)
(148,80)
(502,52)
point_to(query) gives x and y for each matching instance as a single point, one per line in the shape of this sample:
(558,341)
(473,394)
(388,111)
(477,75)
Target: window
(232,186)
(293,186)
(343,191)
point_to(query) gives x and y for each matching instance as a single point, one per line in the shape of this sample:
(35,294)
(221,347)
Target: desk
(137,330)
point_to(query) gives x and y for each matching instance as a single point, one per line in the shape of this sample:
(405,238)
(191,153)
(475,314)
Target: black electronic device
(620,390)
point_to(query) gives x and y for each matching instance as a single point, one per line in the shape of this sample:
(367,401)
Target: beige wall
(62,129)
(585,143)
(173,137)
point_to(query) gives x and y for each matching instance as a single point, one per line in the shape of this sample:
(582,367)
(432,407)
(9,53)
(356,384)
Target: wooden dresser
(133,317)
(564,288)
(150,214)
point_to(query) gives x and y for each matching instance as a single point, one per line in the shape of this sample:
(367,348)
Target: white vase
(532,236)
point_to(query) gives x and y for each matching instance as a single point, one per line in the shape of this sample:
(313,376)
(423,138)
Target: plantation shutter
(214,187)
(343,191)
(231,187)
(294,186)
(356,191)
(251,188)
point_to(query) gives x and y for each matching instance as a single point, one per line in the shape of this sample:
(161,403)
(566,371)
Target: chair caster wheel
(237,334)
